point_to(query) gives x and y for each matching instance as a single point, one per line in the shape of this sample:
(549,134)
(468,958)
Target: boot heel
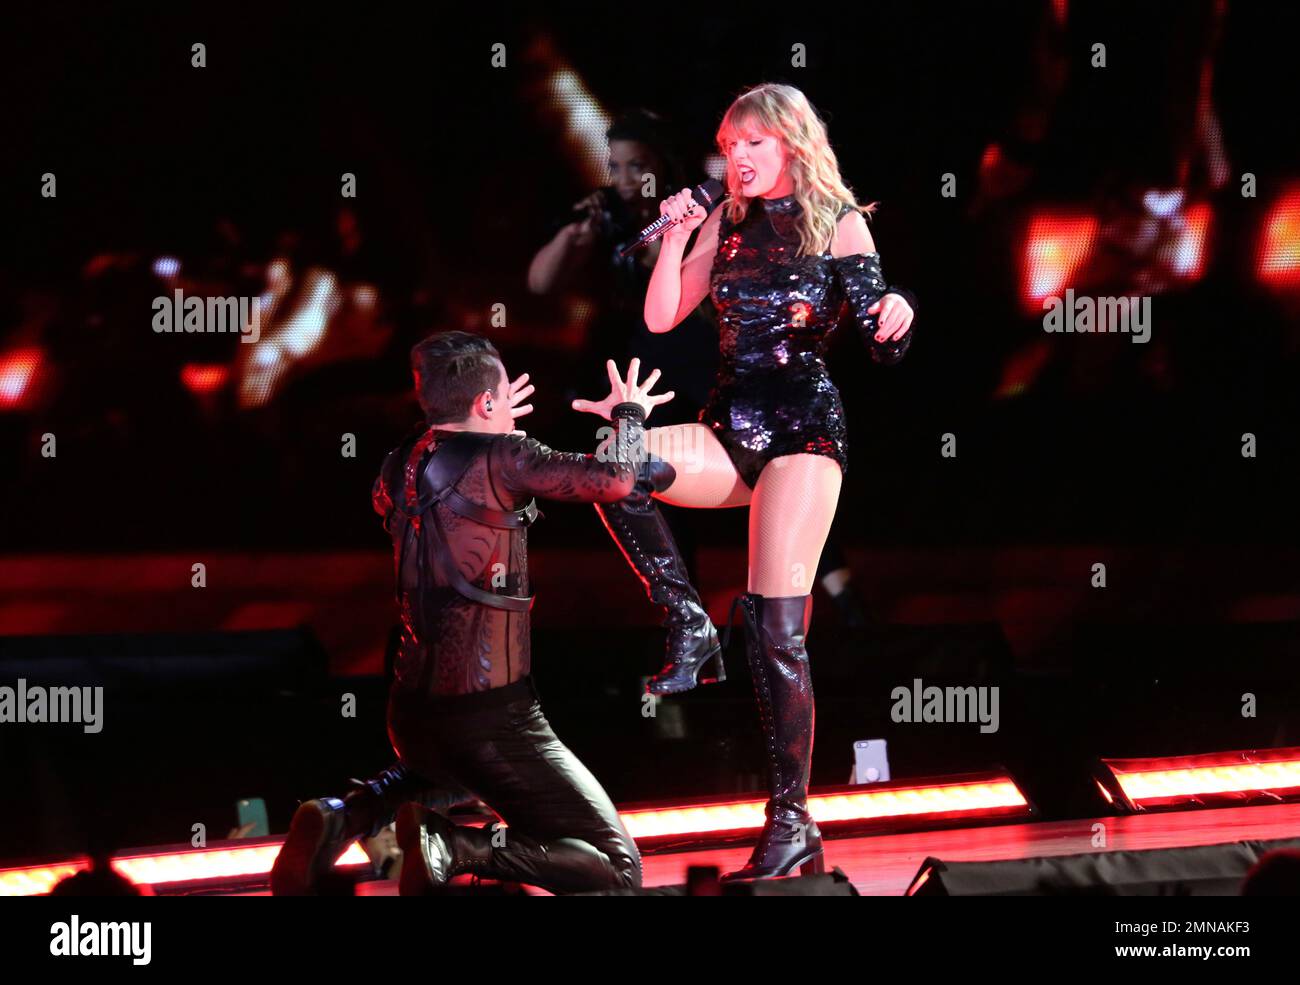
(815,866)
(712,671)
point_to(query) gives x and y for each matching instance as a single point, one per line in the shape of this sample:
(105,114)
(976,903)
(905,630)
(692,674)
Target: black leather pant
(563,831)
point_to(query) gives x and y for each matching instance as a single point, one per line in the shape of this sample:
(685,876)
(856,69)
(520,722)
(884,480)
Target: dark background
(459,174)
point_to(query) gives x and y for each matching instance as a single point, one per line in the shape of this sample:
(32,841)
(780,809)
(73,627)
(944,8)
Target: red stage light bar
(937,802)
(915,803)
(233,860)
(1215,779)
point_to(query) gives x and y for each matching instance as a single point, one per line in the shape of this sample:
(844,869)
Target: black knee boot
(639,529)
(434,851)
(775,630)
(323,828)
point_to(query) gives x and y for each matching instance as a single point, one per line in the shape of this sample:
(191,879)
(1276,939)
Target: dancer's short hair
(450,370)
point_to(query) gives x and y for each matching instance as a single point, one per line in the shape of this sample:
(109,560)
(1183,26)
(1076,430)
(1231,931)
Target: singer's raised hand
(686,213)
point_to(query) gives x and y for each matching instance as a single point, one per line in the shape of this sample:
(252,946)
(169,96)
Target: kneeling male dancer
(463,713)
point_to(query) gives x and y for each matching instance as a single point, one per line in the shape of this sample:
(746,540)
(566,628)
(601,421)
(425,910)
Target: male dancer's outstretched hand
(626,391)
(516,393)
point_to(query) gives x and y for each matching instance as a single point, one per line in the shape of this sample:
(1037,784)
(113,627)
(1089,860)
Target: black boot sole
(309,851)
(814,864)
(716,674)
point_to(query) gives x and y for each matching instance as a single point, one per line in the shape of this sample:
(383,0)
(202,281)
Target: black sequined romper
(776,313)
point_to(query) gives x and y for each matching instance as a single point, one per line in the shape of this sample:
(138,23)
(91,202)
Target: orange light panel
(1278,262)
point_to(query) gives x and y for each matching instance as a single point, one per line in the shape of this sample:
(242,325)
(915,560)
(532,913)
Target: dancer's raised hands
(627,390)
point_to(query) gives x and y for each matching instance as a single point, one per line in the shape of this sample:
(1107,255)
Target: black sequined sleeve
(863,285)
(528,468)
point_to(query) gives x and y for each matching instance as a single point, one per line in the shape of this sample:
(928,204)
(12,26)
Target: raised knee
(654,476)
(660,473)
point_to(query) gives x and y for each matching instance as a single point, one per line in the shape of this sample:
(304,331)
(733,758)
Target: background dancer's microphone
(602,210)
(707,193)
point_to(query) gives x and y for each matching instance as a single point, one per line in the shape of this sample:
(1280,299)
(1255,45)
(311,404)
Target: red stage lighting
(1277,263)
(204,378)
(936,803)
(232,861)
(1208,780)
(18,372)
(1186,257)
(1022,368)
(1056,248)
(892,804)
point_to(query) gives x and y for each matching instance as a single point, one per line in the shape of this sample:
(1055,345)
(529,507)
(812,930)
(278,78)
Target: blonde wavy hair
(785,112)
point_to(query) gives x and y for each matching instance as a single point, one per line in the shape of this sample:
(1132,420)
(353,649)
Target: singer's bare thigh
(706,479)
(794,503)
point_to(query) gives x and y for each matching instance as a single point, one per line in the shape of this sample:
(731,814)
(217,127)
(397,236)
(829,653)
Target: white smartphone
(870,761)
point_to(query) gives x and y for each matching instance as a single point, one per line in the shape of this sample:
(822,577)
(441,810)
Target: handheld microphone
(602,210)
(707,193)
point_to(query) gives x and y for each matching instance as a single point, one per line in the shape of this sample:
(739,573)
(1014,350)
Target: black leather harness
(446,464)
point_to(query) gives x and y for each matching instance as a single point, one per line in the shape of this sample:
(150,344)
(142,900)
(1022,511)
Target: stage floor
(884,865)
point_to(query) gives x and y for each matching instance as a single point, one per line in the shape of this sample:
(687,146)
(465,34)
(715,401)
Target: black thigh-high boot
(642,534)
(323,828)
(776,628)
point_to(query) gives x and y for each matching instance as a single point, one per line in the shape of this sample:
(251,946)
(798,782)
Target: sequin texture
(776,314)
